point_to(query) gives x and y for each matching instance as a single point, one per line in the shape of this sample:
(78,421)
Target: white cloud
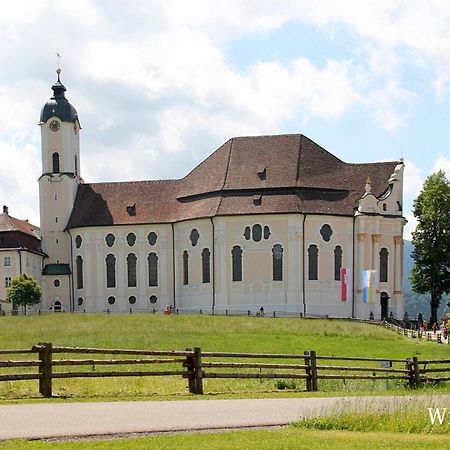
(410,226)
(19,171)
(442,163)
(413,180)
(149,78)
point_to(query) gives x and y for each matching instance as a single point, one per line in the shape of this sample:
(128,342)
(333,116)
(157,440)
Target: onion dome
(58,105)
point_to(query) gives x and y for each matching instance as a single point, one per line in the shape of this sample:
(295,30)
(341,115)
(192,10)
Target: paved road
(46,420)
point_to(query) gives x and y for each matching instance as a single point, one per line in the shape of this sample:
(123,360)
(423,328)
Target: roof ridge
(174,180)
(374,163)
(261,136)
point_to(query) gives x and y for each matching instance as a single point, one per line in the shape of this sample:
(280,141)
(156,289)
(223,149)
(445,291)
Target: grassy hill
(211,333)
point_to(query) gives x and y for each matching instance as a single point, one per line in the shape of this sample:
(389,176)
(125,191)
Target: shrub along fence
(196,366)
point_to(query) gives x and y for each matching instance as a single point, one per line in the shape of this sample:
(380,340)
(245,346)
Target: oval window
(131,239)
(110,239)
(194,237)
(326,232)
(152,238)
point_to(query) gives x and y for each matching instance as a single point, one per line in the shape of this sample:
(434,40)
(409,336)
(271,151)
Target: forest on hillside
(417,303)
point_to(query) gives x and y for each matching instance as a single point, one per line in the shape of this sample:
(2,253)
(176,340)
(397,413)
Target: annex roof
(9,224)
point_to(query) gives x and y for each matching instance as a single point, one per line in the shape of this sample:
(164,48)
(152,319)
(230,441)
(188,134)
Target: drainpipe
(353,270)
(20,273)
(71,284)
(20,261)
(304,267)
(212,268)
(173,267)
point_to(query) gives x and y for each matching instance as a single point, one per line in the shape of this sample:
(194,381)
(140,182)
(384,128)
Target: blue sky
(159,85)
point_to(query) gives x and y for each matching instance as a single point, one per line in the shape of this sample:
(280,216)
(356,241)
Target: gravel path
(63,420)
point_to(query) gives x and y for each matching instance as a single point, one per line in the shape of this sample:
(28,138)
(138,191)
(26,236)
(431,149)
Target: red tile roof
(18,234)
(291,173)
(9,223)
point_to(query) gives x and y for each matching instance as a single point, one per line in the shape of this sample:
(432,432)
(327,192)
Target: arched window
(236,255)
(110,271)
(313,260)
(79,264)
(277,262)
(206,273)
(152,269)
(55,160)
(131,269)
(384,264)
(257,232)
(337,262)
(185,267)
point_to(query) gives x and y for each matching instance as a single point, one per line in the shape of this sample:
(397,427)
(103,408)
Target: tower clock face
(54,125)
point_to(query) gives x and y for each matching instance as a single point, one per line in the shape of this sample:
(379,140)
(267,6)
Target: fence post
(190,368)
(45,369)
(198,371)
(313,363)
(308,371)
(415,366)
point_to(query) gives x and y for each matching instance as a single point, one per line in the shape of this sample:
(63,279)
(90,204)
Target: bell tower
(58,186)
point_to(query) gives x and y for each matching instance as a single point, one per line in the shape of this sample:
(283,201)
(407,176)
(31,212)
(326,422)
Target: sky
(159,85)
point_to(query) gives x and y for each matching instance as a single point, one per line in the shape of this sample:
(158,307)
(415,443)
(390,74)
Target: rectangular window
(313,262)
(185,268)
(7,261)
(8,282)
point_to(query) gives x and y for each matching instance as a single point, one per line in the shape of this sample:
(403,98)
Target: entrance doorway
(384,302)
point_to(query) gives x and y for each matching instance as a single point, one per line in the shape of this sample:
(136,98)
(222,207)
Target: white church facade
(265,221)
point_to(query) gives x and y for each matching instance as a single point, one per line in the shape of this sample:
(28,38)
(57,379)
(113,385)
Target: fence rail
(195,366)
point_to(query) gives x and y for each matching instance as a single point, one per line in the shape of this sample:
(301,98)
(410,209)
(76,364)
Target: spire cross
(58,55)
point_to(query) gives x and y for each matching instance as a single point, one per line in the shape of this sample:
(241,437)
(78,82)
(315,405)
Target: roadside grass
(211,333)
(398,422)
(286,438)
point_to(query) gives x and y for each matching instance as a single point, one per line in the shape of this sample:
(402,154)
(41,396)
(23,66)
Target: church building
(265,221)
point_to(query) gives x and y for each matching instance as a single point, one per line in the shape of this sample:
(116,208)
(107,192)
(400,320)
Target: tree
(24,291)
(431,240)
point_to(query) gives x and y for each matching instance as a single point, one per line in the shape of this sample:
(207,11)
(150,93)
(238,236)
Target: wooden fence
(437,336)
(195,366)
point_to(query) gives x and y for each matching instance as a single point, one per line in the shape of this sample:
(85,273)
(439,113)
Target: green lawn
(211,333)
